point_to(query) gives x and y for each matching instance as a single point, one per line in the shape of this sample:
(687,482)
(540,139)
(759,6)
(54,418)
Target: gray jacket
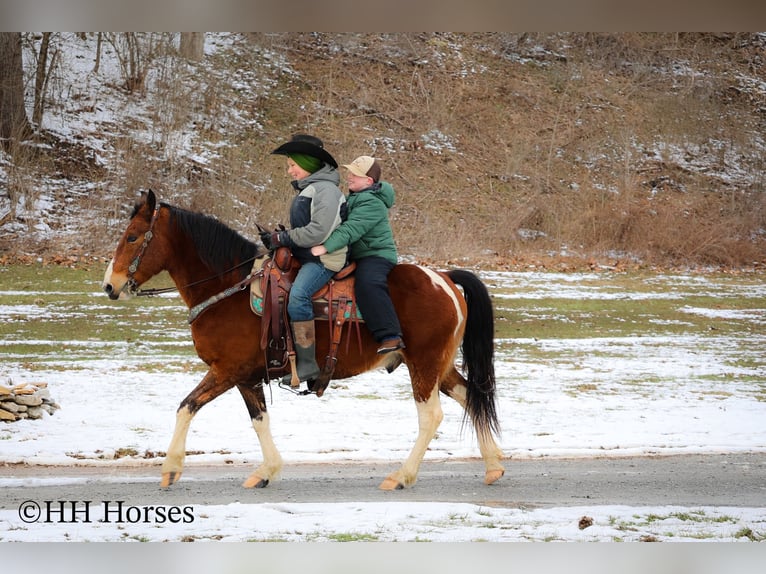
(315,212)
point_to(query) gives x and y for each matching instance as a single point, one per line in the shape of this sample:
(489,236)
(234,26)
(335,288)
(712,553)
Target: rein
(160,290)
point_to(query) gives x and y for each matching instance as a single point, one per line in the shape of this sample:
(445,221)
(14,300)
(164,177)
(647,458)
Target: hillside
(505,149)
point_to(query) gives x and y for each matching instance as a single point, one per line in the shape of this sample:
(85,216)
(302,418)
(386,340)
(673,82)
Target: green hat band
(307,162)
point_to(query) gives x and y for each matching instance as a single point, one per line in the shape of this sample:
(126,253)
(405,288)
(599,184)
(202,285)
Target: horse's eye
(131,238)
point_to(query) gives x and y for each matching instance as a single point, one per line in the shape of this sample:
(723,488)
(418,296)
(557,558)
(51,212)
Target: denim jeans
(311,277)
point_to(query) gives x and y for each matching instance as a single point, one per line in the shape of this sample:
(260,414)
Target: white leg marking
(430,416)
(174,459)
(458,392)
(490,451)
(272,460)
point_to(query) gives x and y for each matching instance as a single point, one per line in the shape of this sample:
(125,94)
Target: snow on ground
(111,404)
(687,406)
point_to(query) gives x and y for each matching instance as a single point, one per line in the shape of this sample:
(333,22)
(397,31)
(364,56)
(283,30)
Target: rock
(50,408)
(10,406)
(585,522)
(7,416)
(29,400)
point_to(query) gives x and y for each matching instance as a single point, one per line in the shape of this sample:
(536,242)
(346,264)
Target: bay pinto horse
(204,258)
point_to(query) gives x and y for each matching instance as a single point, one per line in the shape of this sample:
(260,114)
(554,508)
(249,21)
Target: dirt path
(688,481)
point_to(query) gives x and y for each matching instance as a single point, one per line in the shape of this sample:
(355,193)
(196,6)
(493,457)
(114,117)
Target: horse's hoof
(391,484)
(169,478)
(319,385)
(255,482)
(492,476)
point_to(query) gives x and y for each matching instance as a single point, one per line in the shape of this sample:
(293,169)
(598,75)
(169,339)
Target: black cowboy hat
(308,145)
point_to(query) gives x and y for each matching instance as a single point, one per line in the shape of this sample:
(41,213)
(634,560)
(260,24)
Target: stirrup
(295,390)
(391,345)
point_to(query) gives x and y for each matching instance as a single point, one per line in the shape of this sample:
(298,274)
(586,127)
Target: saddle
(333,304)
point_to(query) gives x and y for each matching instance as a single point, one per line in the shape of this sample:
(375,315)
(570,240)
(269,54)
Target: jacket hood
(385,192)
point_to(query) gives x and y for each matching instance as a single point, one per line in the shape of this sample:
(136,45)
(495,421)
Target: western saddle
(333,303)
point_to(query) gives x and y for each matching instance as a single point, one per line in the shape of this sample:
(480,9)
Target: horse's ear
(151,200)
(147,199)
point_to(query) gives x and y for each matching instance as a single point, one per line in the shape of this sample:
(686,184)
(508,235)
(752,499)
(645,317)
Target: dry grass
(501,147)
(563,152)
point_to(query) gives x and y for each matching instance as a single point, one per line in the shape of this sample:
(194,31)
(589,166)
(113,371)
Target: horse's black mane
(220,247)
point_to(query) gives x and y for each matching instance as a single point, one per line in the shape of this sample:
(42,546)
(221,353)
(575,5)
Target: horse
(208,262)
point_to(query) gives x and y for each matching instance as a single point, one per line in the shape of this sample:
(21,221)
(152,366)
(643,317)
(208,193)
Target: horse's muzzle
(109,290)
(108,284)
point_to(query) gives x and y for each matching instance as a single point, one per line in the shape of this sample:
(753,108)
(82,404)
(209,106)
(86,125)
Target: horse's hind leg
(271,466)
(208,389)
(430,415)
(454,385)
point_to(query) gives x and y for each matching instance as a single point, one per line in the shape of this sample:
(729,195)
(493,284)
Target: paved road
(687,481)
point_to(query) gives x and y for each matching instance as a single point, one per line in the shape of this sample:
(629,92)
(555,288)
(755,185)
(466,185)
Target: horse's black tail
(478,352)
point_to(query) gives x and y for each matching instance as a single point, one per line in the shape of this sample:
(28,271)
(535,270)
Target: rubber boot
(304,338)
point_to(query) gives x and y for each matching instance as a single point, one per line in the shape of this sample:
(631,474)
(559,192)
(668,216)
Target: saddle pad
(320,303)
(321,307)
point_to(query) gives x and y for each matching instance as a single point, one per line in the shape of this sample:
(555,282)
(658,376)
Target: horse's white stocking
(173,464)
(430,416)
(490,451)
(271,467)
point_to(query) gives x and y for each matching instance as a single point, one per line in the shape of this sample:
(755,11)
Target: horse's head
(133,262)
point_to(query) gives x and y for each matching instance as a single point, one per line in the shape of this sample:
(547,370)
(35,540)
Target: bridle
(133,288)
(133,267)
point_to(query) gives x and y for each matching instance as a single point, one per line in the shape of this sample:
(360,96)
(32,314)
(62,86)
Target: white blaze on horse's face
(109,283)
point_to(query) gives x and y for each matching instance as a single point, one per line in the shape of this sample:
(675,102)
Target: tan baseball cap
(364,166)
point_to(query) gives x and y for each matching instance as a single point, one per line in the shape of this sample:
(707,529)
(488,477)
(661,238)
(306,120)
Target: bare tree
(99,39)
(192,46)
(42,75)
(135,53)
(133,58)
(14,124)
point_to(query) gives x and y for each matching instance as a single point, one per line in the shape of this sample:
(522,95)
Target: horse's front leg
(430,416)
(271,467)
(208,389)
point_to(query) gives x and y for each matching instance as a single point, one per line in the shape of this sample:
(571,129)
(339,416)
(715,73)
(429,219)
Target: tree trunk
(98,53)
(14,124)
(192,45)
(40,79)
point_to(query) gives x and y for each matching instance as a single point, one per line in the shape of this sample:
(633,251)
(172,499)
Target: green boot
(304,338)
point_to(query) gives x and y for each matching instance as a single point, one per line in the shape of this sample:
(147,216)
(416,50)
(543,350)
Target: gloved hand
(273,239)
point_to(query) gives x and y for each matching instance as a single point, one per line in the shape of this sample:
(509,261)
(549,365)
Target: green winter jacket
(367,230)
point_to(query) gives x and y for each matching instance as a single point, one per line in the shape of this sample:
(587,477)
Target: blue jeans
(311,277)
